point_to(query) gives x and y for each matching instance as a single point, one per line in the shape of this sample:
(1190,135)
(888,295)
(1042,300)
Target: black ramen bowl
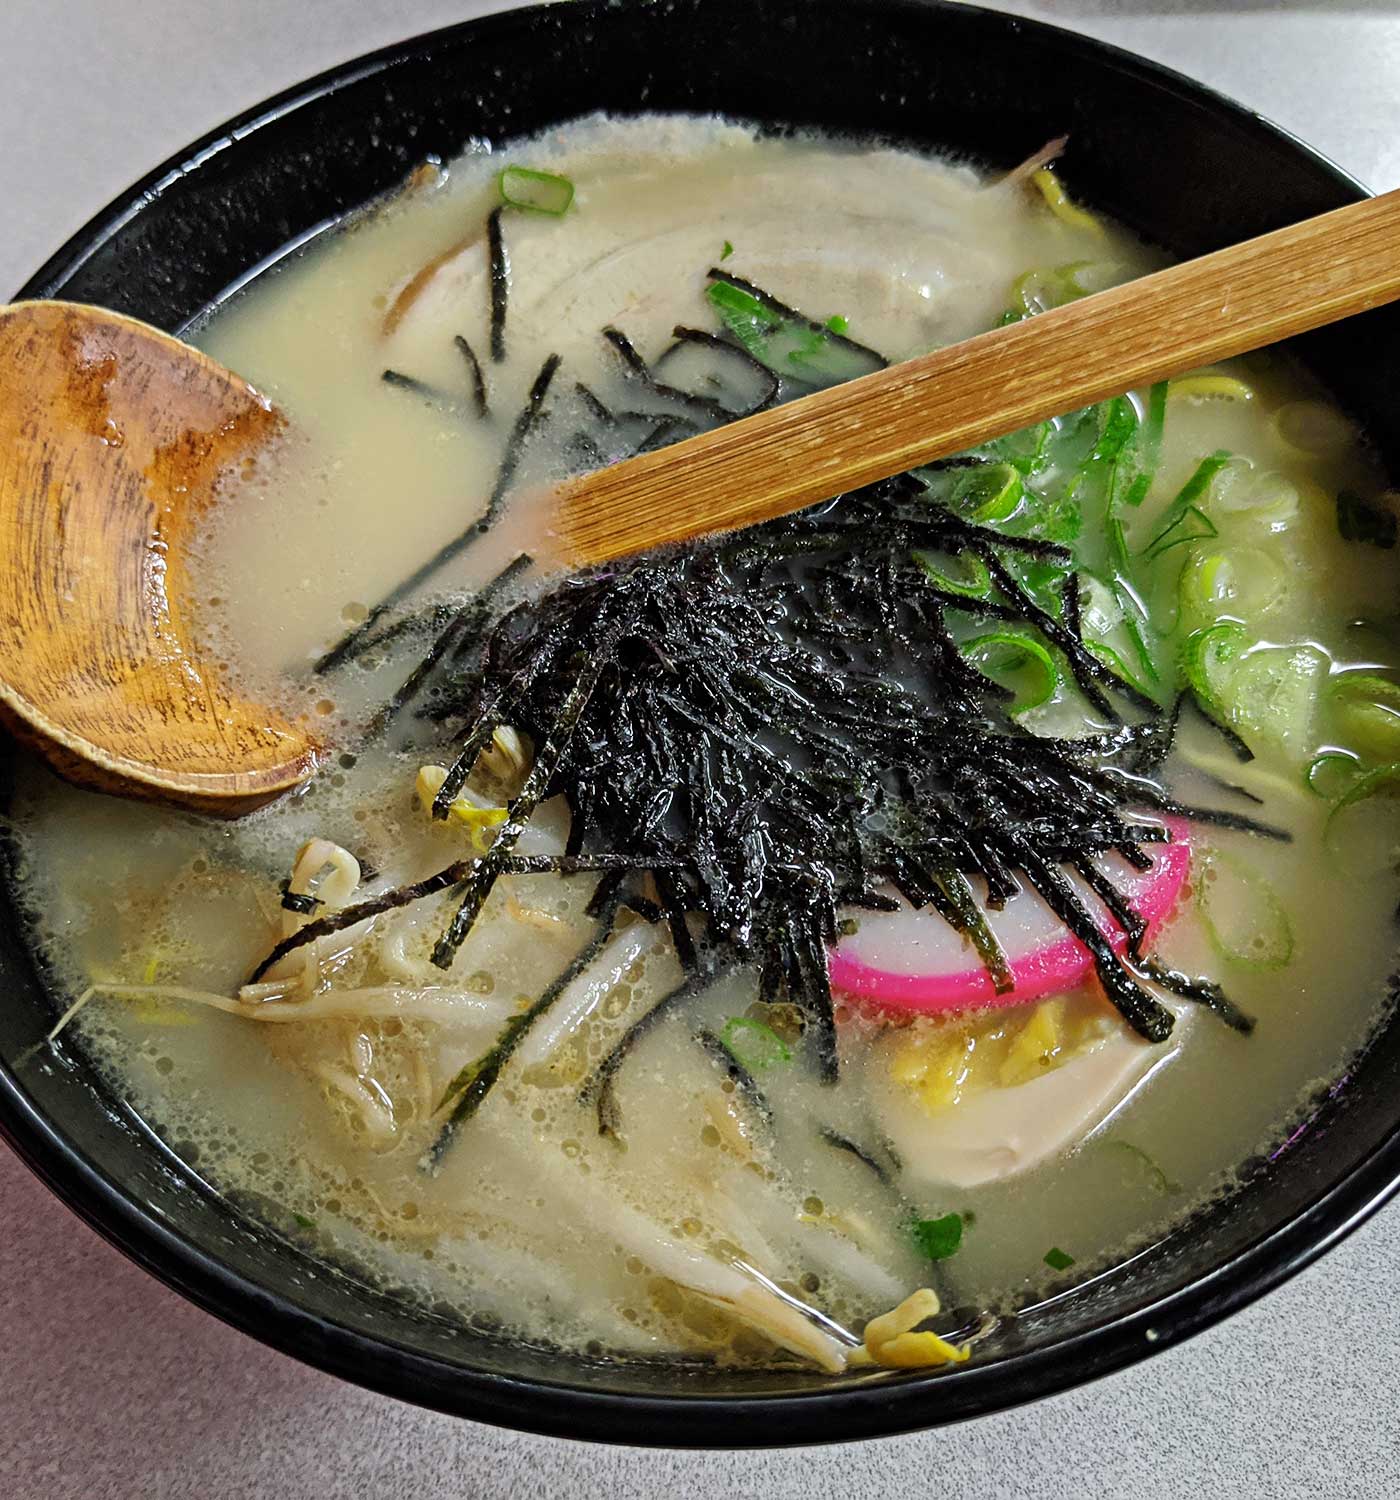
(1184,168)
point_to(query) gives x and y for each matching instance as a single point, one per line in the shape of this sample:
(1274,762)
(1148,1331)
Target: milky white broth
(534,1222)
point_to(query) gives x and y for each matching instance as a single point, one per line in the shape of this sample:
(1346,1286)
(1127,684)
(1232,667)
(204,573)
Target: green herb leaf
(1057,1260)
(302,1222)
(1359,521)
(755,1045)
(939,1238)
(727,251)
(789,342)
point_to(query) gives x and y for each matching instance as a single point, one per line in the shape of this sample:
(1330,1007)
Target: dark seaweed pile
(755,732)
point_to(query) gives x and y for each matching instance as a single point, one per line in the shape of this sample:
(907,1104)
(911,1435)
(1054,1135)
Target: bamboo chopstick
(778,461)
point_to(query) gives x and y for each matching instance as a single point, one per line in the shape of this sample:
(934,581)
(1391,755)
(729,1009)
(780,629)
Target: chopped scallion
(975,582)
(988,493)
(1115,664)
(1208,387)
(1189,525)
(754,1044)
(539,192)
(1018,661)
(1330,773)
(1383,780)
(1367,710)
(1243,916)
(1155,1175)
(1207,656)
(1057,1260)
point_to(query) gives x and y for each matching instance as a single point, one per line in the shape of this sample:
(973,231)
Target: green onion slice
(1057,1259)
(990,492)
(1149,445)
(1053,286)
(814,353)
(1242,580)
(1367,709)
(754,1044)
(1115,664)
(1016,660)
(1025,450)
(1156,1177)
(1384,779)
(1332,772)
(1199,483)
(1185,508)
(1191,524)
(540,192)
(1243,916)
(975,582)
(1207,656)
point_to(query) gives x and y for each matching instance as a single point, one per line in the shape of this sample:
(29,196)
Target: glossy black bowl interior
(1182,167)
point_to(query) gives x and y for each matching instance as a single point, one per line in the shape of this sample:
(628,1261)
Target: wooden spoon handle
(796,455)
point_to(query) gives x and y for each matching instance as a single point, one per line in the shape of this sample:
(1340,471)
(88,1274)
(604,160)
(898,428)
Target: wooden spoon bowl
(113,438)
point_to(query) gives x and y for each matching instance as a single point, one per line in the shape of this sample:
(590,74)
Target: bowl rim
(819,1414)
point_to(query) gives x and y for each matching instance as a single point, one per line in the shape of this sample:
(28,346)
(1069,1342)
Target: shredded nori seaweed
(744,1082)
(771,726)
(478,379)
(840,1142)
(526,424)
(500,284)
(693,712)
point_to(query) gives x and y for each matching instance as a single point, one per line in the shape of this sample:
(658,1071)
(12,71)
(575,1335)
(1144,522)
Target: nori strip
(784,311)
(844,1143)
(683,336)
(474,370)
(430,393)
(303,904)
(526,423)
(1202,991)
(744,1081)
(485,873)
(500,284)
(469,1088)
(464,624)
(599,1089)
(445,879)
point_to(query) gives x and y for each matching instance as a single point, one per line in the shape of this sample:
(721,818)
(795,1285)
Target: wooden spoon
(796,455)
(113,437)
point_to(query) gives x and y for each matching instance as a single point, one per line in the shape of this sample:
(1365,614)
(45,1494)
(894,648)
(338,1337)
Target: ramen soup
(807,947)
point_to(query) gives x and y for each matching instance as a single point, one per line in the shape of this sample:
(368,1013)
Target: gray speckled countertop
(111,1385)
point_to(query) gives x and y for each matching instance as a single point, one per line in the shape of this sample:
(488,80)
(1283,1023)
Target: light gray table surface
(110,1385)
